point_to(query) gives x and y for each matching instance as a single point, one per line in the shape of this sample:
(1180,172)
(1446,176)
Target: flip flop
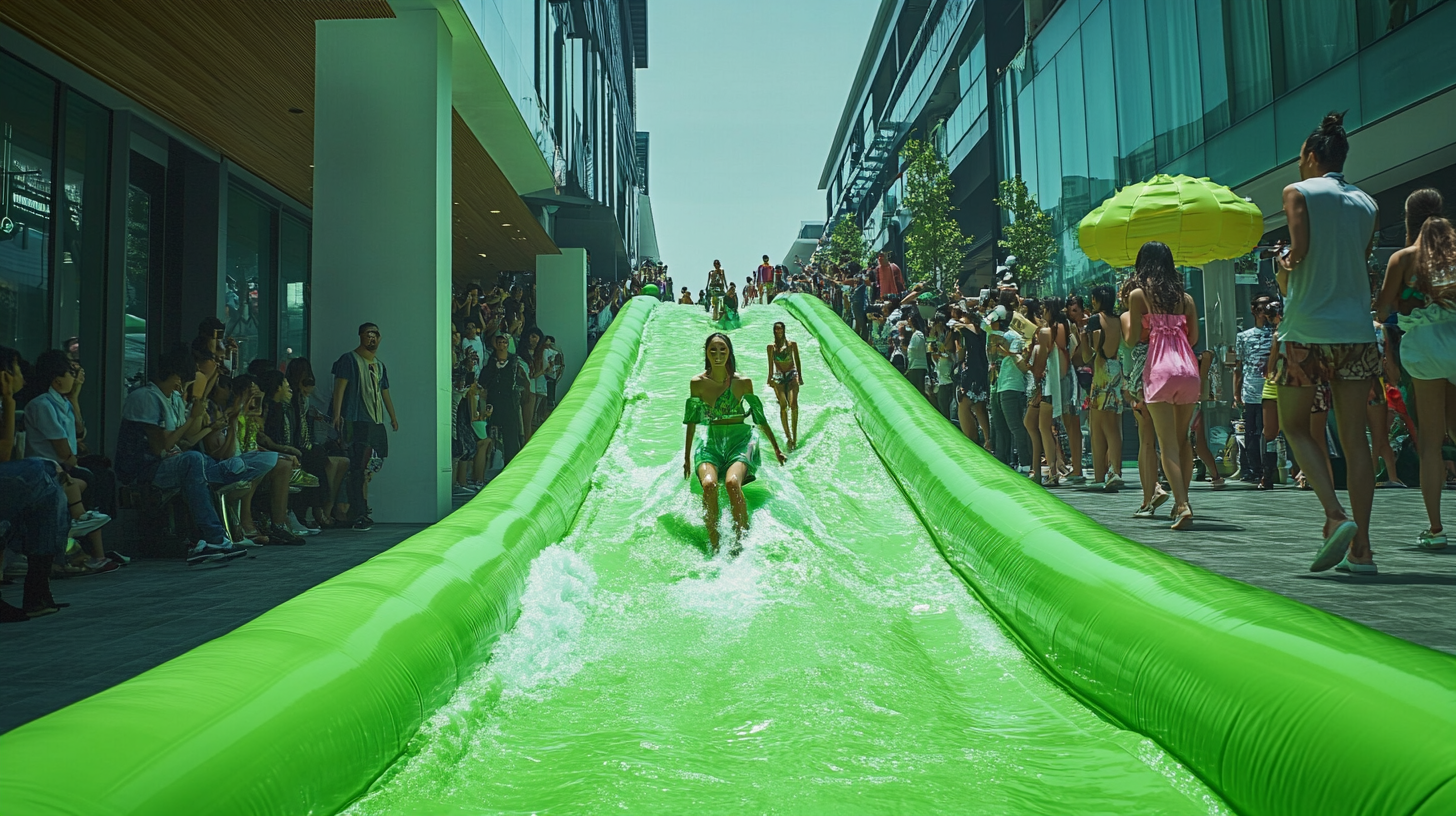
(1336,544)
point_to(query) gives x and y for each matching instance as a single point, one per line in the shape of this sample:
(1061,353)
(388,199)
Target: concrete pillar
(381,235)
(561,308)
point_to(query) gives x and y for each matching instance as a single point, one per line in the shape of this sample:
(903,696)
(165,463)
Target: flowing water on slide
(836,666)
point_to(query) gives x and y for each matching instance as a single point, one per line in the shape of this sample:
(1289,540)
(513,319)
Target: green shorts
(726,444)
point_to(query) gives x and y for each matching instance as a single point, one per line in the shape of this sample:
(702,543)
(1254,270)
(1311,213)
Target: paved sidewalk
(128,621)
(1268,539)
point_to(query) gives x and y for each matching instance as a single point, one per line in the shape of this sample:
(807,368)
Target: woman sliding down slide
(717,399)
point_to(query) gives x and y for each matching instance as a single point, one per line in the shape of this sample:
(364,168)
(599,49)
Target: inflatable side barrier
(1279,707)
(300,710)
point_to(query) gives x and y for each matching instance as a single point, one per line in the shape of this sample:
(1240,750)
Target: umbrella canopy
(1199,220)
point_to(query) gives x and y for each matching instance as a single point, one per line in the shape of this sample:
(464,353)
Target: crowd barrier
(301,709)
(1280,708)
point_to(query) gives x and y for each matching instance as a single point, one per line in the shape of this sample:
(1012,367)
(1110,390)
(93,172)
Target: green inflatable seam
(301,709)
(1281,708)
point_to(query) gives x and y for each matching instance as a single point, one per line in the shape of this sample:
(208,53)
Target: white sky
(742,98)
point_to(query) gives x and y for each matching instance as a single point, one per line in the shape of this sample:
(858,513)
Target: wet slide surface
(836,666)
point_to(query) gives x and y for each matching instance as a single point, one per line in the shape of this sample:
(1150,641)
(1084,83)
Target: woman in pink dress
(1171,383)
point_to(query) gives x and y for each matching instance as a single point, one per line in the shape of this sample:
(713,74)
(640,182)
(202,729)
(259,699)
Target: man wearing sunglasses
(361,398)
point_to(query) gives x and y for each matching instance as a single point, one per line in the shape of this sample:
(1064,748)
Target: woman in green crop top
(722,399)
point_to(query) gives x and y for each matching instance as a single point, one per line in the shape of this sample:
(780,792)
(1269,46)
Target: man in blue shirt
(156,445)
(361,398)
(1251,348)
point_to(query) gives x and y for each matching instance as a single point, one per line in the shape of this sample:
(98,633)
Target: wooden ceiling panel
(230,72)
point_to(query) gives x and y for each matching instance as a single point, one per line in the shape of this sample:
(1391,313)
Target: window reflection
(27,115)
(1317,34)
(293,288)
(249,271)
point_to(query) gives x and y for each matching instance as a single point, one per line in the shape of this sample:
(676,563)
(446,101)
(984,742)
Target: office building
(297,168)
(1104,93)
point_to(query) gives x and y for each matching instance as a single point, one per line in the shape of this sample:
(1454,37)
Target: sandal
(256,536)
(1184,520)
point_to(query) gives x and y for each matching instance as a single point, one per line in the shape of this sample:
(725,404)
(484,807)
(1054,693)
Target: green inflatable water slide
(1267,706)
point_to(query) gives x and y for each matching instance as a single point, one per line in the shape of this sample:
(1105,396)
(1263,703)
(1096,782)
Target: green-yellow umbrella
(1199,220)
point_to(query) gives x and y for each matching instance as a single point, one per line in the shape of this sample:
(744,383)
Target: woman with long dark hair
(1104,335)
(972,383)
(1058,386)
(723,400)
(785,374)
(533,363)
(1425,273)
(1171,383)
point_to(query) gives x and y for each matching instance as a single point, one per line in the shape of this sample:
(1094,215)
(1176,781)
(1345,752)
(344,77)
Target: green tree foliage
(847,242)
(1029,235)
(934,245)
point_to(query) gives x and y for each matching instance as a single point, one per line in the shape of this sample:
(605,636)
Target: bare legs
(737,504)
(1106,444)
(1202,451)
(1170,424)
(1436,405)
(1073,423)
(788,399)
(528,415)
(1311,453)
(974,422)
(792,390)
(1379,418)
(483,449)
(1032,422)
(1048,443)
(1147,457)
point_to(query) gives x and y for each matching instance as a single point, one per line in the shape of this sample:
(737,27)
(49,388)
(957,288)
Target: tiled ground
(128,621)
(1268,540)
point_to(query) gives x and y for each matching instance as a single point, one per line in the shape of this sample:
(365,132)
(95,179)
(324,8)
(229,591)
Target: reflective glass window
(1134,92)
(1213,66)
(80,270)
(249,275)
(1409,66)
(1177,84)
(1048,145)
(1100,99)
(1246,34)
(1026,135)
(1072,112)
(293,288)
(1298,113)
(1243,151)
(1380,17)
(1317,34)
(145,214)
(80,296)
(27,143)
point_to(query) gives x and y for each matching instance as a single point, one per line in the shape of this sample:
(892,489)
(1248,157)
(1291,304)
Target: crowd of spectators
(1326,380)
(238,457)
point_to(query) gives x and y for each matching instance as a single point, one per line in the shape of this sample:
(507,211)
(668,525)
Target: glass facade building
(570,69)
(1103,93)
(98,245)
(1112,91)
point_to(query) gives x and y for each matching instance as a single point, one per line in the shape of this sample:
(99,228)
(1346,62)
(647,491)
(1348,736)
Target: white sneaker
(298,528)
(89,522)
